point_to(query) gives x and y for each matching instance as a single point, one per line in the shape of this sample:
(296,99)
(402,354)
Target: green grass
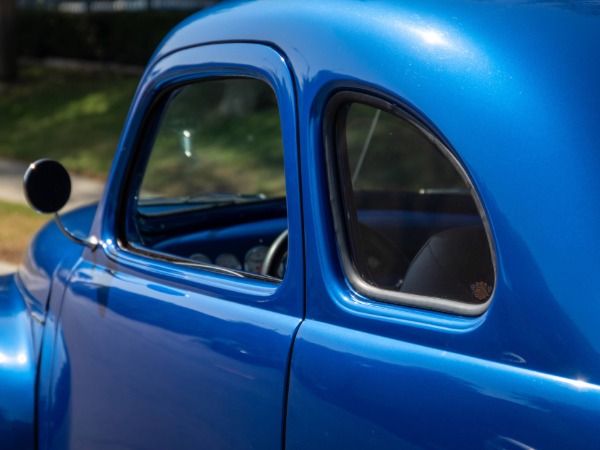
(65,115)
(69,116)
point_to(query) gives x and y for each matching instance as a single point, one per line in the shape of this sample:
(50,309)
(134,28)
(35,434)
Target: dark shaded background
(115,31)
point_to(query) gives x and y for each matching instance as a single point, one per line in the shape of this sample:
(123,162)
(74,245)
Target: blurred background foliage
(218,136)
(71,115)
(79,65)
(126,37)
(68,73)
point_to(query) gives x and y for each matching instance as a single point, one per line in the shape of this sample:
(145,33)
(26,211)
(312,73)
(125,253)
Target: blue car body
(114,348)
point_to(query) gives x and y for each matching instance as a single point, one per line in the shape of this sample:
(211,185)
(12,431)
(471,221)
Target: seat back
(454,264)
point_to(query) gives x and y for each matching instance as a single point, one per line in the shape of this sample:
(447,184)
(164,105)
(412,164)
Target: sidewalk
(83,191)
(6,268)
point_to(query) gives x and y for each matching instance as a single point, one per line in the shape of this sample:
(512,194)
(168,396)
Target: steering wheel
(383,262)
(275,262)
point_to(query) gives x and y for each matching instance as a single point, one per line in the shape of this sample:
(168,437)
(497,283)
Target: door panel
(189,369)
(383,365)
(164,349)
(356,390)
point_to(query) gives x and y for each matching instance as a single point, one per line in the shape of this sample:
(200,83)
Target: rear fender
(17,369)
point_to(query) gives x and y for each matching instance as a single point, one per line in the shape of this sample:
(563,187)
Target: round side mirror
(47,186)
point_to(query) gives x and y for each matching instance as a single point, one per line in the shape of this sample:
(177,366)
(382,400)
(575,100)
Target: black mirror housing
(47,186)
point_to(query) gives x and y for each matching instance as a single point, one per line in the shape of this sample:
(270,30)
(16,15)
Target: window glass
(212,189)
(218,137)
(389,154)
(411,221)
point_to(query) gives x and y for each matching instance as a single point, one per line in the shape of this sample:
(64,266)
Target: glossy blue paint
(23,315)
(194,64)
(205,359)
(36,271)
(518,105)
(197,366)
(52,362)
(206,353)
(17,369)
(509,122)
(40,267)
(393,394)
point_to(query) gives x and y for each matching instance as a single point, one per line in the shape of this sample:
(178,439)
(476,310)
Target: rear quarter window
(410,227)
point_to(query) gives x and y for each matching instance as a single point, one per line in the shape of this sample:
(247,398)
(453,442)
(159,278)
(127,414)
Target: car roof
(472,39)
(505,55)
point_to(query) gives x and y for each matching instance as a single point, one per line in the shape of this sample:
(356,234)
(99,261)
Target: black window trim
(334,107)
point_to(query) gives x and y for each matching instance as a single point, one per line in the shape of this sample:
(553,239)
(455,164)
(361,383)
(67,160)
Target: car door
(414,337)
(172,334)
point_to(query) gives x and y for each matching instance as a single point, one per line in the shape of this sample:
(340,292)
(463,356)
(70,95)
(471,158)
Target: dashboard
(242,247)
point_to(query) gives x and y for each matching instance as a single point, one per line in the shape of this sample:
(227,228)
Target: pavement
(6,268)
(83,191)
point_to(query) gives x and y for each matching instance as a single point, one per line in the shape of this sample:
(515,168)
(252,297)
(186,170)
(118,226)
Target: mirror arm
(91,242)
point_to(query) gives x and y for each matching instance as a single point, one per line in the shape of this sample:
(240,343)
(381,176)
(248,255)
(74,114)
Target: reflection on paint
(439,42)
(431,36)
(582,385)
(506,443)
(16,360)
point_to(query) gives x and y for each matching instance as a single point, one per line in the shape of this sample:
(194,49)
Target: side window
(410,226)
(211,187)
